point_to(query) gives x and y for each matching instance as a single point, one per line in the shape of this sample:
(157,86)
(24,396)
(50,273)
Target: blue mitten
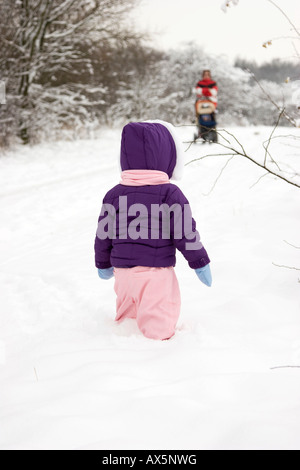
(106,273)
(204,275)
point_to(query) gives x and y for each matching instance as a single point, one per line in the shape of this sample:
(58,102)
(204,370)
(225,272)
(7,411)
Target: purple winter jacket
(148,146)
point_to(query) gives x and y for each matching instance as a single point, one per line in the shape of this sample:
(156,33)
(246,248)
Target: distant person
(207,88)
(205,107)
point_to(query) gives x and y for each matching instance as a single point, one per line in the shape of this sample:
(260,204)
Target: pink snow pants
(152,296)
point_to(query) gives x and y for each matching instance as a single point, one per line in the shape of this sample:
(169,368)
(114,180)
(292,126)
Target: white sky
(239,32)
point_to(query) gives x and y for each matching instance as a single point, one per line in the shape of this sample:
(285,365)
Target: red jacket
(207,88)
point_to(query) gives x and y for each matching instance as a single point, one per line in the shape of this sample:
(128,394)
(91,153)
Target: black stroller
(206,121)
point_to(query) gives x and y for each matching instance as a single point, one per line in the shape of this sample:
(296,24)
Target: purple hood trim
(147,146)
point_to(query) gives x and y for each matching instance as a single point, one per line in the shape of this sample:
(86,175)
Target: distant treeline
(70,67)
(276,71)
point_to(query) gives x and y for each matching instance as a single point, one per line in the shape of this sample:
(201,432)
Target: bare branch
(260,178)
(210,155)
(241,152)
(285,15)
(297,247)
(291,120)
(287,267)
(296,50)
(239,143)
(285,367)
(269,141)
(61,10)
(218,177)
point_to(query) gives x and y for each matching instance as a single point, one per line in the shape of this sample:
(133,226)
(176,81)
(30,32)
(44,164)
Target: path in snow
(70,378)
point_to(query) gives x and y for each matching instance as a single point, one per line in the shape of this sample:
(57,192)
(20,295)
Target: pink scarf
(143,177)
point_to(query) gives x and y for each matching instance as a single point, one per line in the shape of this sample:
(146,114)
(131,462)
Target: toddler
(143,220)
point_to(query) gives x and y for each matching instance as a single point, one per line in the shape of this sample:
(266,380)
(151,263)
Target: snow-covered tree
(45,44)
(166,90)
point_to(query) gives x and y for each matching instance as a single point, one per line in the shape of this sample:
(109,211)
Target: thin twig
(260,178)
(269,140)
(285,367)
(291,120)
(219,134)
(287,136)
(278,38)
(210,155)
(191,143)
(184,125)
(297,247)
(238,142)
(218,177)
(287,267)
(296,50)
(285,15)
(36,376)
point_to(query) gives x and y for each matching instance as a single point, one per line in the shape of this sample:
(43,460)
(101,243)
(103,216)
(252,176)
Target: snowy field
(70,378)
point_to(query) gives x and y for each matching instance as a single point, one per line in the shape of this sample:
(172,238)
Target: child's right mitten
(106,273)
(204,274)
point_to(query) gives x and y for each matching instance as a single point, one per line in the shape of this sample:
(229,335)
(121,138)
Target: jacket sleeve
(184,233)
(104,236)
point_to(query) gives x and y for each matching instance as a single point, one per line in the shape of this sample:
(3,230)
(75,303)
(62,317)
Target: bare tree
(41,40)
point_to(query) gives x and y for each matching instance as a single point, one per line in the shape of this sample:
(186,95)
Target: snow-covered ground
(71,378)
